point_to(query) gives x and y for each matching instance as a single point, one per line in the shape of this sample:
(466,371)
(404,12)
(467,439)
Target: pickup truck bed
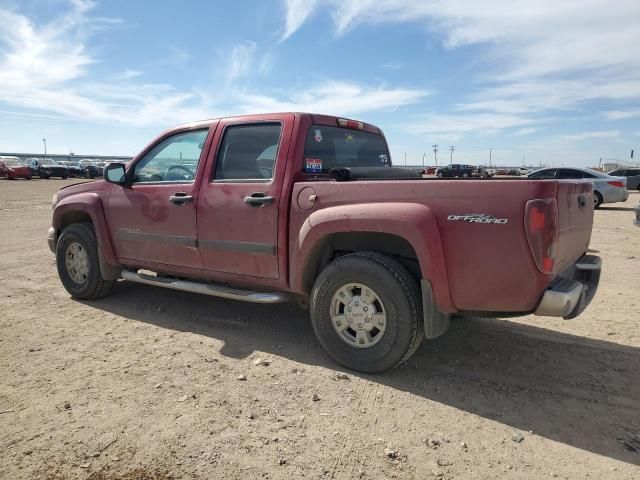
(303,207)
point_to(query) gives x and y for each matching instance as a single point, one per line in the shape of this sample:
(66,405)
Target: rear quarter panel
(488,267)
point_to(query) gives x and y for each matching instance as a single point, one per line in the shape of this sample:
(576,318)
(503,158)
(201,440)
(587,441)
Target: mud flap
(436,322)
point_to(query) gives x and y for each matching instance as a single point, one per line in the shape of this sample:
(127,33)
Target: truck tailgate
(575,218)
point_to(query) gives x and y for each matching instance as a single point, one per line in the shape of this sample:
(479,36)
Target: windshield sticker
(318,136)
(384,158)
(313,165)
(477,218)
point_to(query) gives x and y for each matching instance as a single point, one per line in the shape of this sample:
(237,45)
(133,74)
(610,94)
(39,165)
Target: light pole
(451,149)
(435,153)
(44,141)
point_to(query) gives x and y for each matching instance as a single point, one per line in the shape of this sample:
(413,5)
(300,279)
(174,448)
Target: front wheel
(366,310)
(78,263)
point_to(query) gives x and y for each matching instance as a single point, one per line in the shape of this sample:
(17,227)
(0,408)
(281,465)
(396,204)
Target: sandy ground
(144,384)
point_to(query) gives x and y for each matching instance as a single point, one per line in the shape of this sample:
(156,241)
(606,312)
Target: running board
(206,288)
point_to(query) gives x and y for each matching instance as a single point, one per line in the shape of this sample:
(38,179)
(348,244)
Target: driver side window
(175,159)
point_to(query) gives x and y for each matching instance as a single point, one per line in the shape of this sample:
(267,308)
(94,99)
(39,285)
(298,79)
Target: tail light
(541,227)
(617,183)
(343,122)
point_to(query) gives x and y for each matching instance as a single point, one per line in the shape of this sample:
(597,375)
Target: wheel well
(76,216)
(344,243)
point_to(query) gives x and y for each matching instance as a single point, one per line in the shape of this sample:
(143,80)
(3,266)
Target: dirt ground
(144,384)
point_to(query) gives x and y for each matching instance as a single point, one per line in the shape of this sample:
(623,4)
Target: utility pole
(451,149)
(435,153)
(423,155)
(44,141)
(489,157)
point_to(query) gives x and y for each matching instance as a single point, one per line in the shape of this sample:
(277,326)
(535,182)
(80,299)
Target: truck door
(154,219)
(240,197)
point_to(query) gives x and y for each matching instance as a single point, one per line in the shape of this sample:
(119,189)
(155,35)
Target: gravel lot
(145,384)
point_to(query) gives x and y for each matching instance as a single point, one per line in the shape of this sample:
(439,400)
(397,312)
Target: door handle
(180,198)
(258,199)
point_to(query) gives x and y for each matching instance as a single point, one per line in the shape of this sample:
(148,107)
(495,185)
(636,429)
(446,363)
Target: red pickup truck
(303,207)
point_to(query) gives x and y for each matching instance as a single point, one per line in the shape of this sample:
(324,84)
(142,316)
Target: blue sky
(552,82)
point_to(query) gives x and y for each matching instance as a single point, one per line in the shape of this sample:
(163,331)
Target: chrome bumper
(572,291)
(51,239)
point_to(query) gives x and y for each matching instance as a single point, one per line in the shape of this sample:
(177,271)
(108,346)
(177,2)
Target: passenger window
(248,152)
(174,160)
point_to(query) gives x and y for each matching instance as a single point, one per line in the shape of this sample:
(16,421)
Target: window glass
(175,159)
(248,152)
(328,147)
(544,174)
(570,174)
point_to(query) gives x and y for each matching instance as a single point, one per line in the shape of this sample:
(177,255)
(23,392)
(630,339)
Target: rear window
(329,147)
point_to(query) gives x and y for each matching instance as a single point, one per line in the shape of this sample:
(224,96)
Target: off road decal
(318,136)
(477,218)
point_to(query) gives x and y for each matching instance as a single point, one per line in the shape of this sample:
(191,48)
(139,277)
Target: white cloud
(297,12)
(577,137)
(452,127)
(337,98)
(622,114)
(525,131)
(128,74)
(45,67)
(539,56)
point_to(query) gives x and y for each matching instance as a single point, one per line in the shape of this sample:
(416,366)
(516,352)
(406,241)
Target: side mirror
(115,173)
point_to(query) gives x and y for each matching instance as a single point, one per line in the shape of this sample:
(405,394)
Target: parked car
(75,170)
(47,168)
(429,171)
(606,189)
(12,168)
(632,175)
(456,170)
(255,208)
(502,171)
(486,172)
(91,168)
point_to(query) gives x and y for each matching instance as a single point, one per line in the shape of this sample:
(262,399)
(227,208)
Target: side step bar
(206,288)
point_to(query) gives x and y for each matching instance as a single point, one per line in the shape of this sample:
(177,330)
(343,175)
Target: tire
(28,178)
(93,285)
(7,177)
(87,174)
(440,175)
(65,177)
(398,300)
(597,199)
(465,175)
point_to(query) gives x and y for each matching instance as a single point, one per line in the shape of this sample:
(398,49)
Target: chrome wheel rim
(358,315)
(77,262)
(595,199)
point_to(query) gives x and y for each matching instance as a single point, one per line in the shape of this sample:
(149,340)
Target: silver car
(632,174)
(606,188)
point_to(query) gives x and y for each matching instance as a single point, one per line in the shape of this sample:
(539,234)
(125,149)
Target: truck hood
(83,187)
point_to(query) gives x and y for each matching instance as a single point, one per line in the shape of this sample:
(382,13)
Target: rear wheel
(78,263)
(597,199)
(366,310)
(7,177)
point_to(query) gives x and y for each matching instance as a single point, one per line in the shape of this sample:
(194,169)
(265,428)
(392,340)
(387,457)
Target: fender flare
(89,203)
(413,222)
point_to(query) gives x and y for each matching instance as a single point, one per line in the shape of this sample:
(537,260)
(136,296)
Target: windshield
(329,147)
(46,161)
(12,163)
